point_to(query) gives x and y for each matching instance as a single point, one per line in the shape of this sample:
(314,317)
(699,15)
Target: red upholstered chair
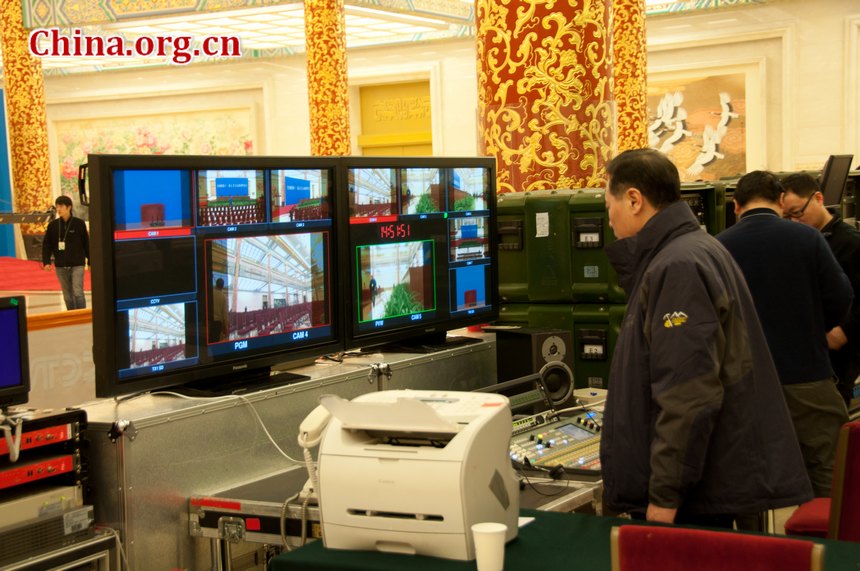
(839,517)
(652,548)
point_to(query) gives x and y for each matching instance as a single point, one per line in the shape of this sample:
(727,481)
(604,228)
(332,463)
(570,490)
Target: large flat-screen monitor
(833,178)
(14,356)
(210,270)
(420,247)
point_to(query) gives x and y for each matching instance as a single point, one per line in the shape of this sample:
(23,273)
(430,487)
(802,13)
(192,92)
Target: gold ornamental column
(27,119)
(544,100)
(630,74)
(328,95)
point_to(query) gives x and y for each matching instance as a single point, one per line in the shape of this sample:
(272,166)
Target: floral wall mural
(212,132)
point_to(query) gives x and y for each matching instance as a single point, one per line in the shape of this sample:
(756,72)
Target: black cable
(519,469)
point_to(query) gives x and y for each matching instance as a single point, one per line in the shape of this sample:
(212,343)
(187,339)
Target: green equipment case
(513,272)
(708,203)
(551,248)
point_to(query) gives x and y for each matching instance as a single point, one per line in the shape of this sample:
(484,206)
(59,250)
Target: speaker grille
(45,533)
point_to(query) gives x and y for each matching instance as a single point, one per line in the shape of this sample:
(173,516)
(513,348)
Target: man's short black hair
(648,170)
(219,283)
(64,200)
(802,184)
(761,185)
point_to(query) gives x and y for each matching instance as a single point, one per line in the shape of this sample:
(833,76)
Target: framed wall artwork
(709,120)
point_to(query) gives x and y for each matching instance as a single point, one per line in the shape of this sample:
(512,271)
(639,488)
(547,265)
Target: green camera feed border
(358,278)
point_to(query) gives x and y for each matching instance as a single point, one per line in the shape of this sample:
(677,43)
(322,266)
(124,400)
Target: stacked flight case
(43,473)
(708,202)
(554,273)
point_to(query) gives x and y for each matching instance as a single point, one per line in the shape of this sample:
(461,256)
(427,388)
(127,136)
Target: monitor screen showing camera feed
(200,274)
(421,236)
(300,195)
(15,374)
(230,197)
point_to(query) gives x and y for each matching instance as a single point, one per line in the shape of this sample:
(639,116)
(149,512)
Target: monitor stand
(426,344)
(239,383)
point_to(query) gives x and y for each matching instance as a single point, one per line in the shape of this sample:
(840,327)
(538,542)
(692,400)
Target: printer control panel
(463,405)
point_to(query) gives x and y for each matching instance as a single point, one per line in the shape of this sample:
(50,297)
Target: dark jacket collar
(828,228)
(759,211)
(630,256)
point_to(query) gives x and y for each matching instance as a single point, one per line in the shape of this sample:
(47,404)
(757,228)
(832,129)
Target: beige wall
(807,55)
(802,57)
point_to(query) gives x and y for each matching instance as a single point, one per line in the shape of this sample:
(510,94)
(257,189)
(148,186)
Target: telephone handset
(311,428)
(310,434)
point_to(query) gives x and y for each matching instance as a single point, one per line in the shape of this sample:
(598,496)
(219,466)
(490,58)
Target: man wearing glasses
(803,202)
(800,293)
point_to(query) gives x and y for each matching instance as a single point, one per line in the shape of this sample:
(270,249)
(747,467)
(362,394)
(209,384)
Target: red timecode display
(395,231)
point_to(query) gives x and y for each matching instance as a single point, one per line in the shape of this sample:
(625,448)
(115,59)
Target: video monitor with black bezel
(833,178)
(423,261)
(199,278)
(14,352)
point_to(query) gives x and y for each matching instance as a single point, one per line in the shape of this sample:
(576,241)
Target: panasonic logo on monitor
(240,367)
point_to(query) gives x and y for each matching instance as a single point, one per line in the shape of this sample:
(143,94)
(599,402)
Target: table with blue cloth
(552,541)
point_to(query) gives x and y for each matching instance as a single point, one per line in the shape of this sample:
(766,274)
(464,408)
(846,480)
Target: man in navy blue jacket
(800,294)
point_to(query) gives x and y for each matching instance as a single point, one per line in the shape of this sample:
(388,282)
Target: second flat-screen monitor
(420,248)
(210,269)
(833,178)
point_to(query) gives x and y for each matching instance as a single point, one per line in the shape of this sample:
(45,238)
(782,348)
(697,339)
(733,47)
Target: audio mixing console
(545,440)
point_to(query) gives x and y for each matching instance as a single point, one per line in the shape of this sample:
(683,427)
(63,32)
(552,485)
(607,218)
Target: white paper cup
(489,540)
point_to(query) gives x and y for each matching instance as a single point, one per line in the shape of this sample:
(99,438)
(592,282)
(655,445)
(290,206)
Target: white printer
(411,471)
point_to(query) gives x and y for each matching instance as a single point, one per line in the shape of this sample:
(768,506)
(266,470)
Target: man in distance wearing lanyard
(68,243)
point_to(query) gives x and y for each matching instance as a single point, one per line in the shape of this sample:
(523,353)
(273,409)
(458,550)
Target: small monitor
(15,372)
(833,178)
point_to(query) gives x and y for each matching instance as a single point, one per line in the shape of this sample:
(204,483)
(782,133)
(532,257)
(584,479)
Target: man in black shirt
(803,202)
(67,242)
(800,294)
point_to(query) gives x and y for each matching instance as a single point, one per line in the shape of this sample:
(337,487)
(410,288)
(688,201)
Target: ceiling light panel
(252,26)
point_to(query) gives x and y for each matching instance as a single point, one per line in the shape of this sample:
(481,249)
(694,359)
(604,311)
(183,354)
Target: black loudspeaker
(524,351)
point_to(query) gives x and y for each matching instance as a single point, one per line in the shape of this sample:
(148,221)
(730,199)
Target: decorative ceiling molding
(72,13)
(267,28)
(658,7)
